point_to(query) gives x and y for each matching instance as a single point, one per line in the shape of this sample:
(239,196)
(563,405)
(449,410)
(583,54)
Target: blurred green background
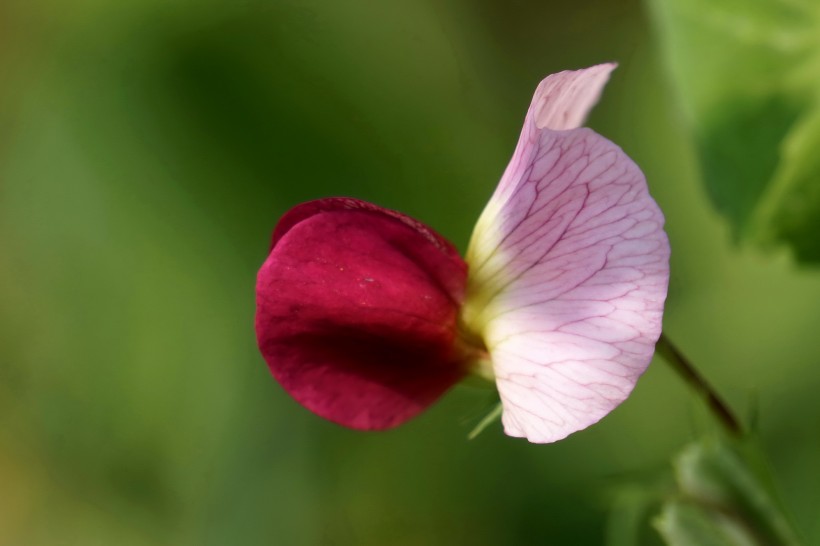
(147,149)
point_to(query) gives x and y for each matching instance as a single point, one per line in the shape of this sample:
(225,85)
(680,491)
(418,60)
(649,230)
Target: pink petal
(561,102)
(569,271)
(356,312)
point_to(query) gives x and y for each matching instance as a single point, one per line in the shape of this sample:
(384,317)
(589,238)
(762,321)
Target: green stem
(719,408)
(488,420)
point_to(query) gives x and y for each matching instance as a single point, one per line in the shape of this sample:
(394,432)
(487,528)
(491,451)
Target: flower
(366,316)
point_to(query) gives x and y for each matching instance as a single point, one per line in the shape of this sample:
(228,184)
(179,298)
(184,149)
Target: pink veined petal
(561,102)
(356,312)
(569,271)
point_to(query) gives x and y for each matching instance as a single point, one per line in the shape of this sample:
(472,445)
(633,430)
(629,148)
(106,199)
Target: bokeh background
(147,149)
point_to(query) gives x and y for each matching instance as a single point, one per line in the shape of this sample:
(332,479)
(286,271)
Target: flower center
(473,352)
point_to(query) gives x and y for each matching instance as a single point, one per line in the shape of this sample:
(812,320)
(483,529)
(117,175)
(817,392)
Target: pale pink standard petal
(569,271)
(561,102)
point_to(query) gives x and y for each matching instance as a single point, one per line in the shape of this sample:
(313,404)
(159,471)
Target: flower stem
(719,408)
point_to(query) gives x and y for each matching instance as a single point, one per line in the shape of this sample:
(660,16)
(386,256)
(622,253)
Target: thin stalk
(719,408)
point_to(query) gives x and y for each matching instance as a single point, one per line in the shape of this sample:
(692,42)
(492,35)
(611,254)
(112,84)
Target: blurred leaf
(683,524)
(792,211)
(747,77)
(722,501)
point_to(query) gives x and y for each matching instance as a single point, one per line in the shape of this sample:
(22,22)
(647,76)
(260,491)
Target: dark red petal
(356,312)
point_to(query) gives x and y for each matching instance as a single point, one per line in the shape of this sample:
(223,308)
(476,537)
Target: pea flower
(367,316)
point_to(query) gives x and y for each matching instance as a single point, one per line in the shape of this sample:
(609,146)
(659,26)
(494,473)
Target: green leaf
(721,496)
(792,211)
(684,524)
(748,77)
